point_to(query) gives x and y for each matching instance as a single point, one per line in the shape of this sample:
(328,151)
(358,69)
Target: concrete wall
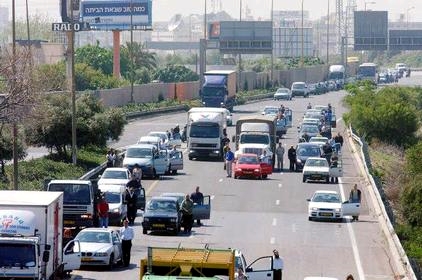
(190,90)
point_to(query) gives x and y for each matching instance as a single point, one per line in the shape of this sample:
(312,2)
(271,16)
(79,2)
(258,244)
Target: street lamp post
(407,16)
(272,49)
(328,29)
(132,75)
(369,2)
(301,57)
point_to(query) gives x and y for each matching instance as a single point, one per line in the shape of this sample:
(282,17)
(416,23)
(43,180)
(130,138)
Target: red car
(249,165)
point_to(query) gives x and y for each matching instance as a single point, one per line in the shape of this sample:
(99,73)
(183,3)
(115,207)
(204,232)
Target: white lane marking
(221,180)
(293,227)
(274,222)
(352,237)
(339,120)
(277,202)
(272,240)
(280,185)
(212,197)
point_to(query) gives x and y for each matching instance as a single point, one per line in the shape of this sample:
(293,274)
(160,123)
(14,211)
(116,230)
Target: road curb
(402,266)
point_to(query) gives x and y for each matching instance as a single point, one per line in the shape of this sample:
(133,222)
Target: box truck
(31,236)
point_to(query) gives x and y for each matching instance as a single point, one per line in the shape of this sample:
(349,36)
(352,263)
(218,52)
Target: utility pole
(71,79)
(15,128)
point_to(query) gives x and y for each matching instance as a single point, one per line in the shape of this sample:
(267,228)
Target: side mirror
(233,138)
(46,256)
(308,199)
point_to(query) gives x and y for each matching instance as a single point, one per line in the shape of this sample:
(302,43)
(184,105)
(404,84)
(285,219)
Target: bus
(368,71)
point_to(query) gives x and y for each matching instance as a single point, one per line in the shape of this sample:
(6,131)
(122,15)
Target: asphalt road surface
(258,216)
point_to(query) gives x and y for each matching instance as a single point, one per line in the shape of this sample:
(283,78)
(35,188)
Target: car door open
(350,209)
(202,211)
(260,269)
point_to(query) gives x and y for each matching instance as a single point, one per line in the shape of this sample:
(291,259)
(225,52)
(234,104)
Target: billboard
(117,14)
(288,42)
(409,39)
(370,30)
(244,37)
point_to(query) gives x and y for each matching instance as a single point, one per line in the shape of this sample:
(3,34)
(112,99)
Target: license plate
(86,259)
(316,176)
(326,214)
(247,172)
(159,225)
(67,222)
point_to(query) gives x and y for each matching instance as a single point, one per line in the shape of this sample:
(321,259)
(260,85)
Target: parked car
(316,169)
(283,94)
(249,165)
(270,110)
(162,214)
(199,211)
(318,139)
(327,205)
(100,247)
(310,130)
(115,176)
(304,151)
(176,161)
(299,89)
(115,195)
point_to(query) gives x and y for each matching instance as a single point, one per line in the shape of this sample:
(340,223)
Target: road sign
(65,26)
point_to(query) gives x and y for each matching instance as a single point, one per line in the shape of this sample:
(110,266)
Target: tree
(39,29)
(51,77)
(97,57)
(175,73)
(142,59)
(95,125)
(88,78)
(6,153)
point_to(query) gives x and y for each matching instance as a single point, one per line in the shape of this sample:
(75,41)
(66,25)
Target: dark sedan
(304,151)
(162,214)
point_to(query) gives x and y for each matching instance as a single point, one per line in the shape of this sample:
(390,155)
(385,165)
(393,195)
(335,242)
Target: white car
(100,247)
(327,205)
(321,140)
(115,176)
(270,111)
(165,140)
(283,93)
(317,169)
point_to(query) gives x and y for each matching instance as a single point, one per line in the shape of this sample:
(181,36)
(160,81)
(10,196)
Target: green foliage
(411,201)
(144,62)
(142,76)
(388,114)
(6,144)
(97,57)
(411,238)
(39,29)
(414,159)
(52,126)
(51,77)
(87,78)
(175,73)
(307,61)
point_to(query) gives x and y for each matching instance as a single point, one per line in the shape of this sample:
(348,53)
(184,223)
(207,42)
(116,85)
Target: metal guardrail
(384,217)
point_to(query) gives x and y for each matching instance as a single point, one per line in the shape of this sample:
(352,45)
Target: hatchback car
(283,94)
(162,214)
(115,176)
(299,89)
(316,169)
(249,165)
(100,247)
(270,111)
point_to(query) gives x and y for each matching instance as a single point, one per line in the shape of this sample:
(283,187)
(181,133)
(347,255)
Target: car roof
(98,229)
(172,194)
(163,198)
(250,155)
(307,144)
(320,278)
(116,168)
(149,146)
(283,88)
(326,191)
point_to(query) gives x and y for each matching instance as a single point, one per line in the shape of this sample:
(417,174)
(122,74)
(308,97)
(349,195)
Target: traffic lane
(413,80)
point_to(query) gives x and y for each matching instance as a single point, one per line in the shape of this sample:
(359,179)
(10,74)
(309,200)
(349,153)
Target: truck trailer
(205,131)
(219,89)
(31,236)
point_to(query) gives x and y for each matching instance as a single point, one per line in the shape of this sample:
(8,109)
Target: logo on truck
(16,223)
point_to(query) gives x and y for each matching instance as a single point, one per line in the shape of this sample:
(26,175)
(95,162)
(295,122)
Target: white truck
(205,132)
(337,73)
(31,236)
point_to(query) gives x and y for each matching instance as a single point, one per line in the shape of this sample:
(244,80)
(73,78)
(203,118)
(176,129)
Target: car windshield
(310,129)
(248,160)
(317,162)
(318,139)
(283,90)
(93,237)
(299,86)
(112,197)
(326,197)
(14,254)
(271,111)
(254,138)
(138,153)
(115,174)
(78,194)
(162,136)
(204,130)
(309,151)
(162,205)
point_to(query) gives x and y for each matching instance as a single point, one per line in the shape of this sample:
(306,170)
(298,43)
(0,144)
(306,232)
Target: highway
(258,216)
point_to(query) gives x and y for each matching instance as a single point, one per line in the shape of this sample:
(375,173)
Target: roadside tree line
(389,119)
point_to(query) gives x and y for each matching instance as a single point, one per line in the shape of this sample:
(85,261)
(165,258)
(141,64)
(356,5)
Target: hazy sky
(164,9)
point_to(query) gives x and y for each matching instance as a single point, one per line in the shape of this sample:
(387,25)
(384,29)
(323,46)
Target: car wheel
(154,174)
(327,180)
(304,179)
(111,263)
(144,231)
(190,158)
(265,176)
(309,218)
(174,172)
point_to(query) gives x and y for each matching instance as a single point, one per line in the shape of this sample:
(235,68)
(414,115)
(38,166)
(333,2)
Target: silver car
(283,93)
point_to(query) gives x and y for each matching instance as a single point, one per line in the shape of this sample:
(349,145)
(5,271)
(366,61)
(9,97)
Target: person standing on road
(131,199)
(280,156)
(198,198)
(111,158)
(350,277)
(355,197)
(229,161)
(291,153)
(102,209)
(278,266)
(339,139)
(186,208)
(127,233)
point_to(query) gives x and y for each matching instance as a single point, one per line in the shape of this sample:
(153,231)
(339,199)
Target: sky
(163,10)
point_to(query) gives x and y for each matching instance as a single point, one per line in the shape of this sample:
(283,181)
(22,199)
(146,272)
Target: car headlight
(337,210)
(115,210)
(216,152)
(148,165)
(256,170)
(101,254)
(146,219)
(238,169)
(314,208)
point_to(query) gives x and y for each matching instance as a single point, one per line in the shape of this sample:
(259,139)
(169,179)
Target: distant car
(100,247)
(316,169)
(162,214)
(299,89)
(115,176)
(304,151)
(311,130)
(249,165)
(312,88)
(283,94)
(163,136)
(327,205)
(229,117)
(318,139)
(270,110)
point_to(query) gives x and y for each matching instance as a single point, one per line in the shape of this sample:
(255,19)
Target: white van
(115,197)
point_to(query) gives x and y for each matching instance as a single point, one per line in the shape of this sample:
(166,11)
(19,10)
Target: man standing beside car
(127,233)
(291,153)
(198,198)
(280,155)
